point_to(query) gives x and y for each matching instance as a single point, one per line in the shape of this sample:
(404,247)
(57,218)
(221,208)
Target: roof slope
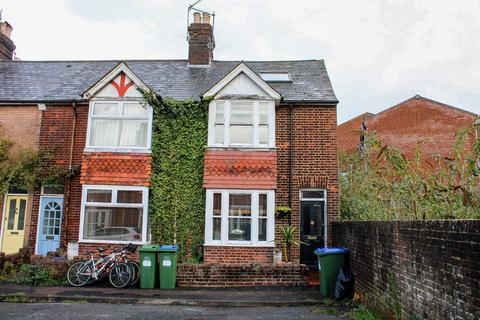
(410,121)
(67,80)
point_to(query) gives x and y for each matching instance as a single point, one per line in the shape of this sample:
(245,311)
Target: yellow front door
(14,223)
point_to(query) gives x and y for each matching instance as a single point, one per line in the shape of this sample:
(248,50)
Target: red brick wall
(315,160)
(235,255)
(236,169)
(55,136)
(239,275)
(116,168)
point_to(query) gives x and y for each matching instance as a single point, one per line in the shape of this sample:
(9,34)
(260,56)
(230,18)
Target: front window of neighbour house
(119,124)
(242,123)
(114,214)
(243,217)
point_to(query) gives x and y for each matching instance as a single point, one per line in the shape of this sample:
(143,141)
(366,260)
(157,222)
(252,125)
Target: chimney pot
(206,18)
(6,28)
(197,17)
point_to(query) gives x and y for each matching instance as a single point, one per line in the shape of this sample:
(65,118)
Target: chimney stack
(200,40)
(6,44)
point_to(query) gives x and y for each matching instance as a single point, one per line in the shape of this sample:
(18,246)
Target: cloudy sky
(377,52)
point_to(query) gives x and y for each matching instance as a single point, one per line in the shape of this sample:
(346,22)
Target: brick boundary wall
(239,275)
(238,255)
(436,264)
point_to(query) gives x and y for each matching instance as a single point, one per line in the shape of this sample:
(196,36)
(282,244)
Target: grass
(364,313)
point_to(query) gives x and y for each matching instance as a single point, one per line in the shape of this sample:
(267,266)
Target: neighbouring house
(272,140)
(410,121)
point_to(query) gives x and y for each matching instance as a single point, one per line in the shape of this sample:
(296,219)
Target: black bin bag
(344,284)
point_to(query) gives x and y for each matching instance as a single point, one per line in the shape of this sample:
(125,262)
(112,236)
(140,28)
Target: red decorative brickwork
(314,161)
(116,169)
(237,255)
(239,275)
(237,169)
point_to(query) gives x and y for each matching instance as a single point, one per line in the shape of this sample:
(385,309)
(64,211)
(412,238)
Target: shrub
(33,275)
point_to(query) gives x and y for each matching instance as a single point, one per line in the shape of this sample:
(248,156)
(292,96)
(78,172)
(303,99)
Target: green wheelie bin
(168,266)
(330,261)
(148,266)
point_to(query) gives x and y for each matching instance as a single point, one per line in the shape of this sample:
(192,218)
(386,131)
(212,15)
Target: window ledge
(242,148)
(113,242)
(258,245)
(118,150)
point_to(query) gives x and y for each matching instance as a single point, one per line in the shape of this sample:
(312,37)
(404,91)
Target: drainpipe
(290,161)
(70,166)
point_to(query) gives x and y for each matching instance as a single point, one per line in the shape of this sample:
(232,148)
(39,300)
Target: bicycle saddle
(100,249)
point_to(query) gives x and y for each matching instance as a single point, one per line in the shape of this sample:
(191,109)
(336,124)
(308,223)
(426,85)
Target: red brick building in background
(272,141)
(408,122)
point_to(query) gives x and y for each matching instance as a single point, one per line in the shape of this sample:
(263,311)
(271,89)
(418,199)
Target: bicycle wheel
(79,273)
(135,272)
(120,275)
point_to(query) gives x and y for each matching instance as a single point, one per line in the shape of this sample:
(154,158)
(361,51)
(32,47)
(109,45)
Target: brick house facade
(272,142)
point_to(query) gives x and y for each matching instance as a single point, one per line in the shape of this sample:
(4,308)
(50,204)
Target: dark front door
(312,226)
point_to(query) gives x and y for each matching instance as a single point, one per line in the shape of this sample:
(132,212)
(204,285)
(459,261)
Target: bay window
(239,217)
(114,214)
(119,125)
(242,123)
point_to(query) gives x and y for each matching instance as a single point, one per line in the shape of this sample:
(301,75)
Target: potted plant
(289,240)
(282,212)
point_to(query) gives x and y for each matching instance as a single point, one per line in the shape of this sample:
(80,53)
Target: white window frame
(254,242)
(114,203)
(256,118)
(90,148)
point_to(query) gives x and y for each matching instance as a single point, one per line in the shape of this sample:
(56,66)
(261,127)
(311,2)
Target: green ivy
(177,200)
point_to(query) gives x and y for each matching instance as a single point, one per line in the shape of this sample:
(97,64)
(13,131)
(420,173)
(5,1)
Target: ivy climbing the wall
(177,200)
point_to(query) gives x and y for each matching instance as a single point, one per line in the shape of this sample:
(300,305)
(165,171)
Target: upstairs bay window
(242,123)
(119,125)
(239,217)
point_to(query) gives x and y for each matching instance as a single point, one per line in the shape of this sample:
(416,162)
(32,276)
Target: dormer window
(242,123)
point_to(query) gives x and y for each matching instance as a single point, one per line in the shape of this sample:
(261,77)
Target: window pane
(11,214)
(217,204)
(105,109)
(130,196)
(239,229)
(241,113)
(262,229)
(262,205)
(241,134)
(99,195)
(104,133)
(219,133)
(57,189)
(21,214)
(219,112)
(240,205)
(133,133)
(263,134)
(121,224)
(263,113)
(313,194)
(135,110)
(217,228)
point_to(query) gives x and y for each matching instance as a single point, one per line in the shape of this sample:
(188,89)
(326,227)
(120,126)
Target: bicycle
(130,249)
(119,273)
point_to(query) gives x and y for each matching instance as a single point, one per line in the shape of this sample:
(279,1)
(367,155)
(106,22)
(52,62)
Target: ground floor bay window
(240,217)
(114,214)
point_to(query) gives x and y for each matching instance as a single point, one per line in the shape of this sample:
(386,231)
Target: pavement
(74,311)
(211,297)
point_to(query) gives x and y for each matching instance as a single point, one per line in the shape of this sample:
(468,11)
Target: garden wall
(436,265)
(239,275)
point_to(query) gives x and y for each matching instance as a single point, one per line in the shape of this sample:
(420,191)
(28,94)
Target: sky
(377,52)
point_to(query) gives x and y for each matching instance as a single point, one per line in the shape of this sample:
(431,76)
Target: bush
(33,275)
(364,313)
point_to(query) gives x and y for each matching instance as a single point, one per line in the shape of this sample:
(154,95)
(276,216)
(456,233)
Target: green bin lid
(169,248)
(149,248)
(329,251)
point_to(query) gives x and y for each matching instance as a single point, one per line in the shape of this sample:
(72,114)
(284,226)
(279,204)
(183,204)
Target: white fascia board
(243,68)
(121,67)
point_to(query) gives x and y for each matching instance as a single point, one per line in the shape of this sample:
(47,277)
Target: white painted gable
(242,85)
(120,82)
